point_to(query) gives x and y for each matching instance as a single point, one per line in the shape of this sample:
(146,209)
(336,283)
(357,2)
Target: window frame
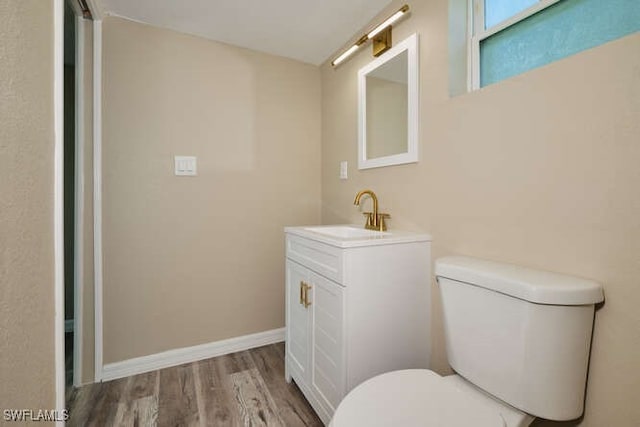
(477,32)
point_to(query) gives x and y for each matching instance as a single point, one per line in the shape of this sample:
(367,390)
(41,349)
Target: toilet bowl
(420,397)
(518,338)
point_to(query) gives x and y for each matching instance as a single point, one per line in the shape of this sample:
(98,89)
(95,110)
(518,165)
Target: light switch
(185,165)
(343,169)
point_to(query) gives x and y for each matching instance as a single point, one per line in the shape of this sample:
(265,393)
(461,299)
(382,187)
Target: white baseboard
(179,356)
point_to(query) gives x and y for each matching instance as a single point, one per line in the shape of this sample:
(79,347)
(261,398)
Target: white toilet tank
(522,335)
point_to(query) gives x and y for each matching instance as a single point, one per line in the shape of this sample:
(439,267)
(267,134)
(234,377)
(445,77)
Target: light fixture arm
(381,35)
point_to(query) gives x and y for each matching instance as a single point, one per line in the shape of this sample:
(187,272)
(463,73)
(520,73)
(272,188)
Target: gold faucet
(375,220)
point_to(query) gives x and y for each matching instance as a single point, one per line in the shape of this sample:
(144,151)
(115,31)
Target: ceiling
(306,30)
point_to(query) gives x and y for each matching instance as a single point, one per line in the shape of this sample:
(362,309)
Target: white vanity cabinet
(355,307)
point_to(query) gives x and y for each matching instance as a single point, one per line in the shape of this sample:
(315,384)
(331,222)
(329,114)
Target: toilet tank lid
(537,286)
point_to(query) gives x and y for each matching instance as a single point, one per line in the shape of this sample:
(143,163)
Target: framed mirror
(388,107)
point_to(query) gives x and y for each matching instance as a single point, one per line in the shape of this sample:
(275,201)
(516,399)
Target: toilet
(518,340)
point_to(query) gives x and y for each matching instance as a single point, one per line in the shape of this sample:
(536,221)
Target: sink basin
(347,232)
(353,235)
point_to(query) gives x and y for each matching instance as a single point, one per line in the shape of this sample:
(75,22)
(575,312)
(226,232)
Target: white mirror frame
(410,45)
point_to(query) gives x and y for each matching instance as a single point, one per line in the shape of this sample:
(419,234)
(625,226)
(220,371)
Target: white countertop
(350,235)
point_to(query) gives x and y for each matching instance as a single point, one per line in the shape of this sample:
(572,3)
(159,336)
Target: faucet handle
(382,225)
(370,223)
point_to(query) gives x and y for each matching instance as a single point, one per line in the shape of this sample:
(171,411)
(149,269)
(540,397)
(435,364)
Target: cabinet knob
(302,286)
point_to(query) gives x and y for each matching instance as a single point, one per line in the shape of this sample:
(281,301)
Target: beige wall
(26,205)
(540,170)
(191,260)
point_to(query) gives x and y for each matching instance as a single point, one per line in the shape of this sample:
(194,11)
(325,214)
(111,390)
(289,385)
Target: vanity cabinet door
(298,339)
(327,351)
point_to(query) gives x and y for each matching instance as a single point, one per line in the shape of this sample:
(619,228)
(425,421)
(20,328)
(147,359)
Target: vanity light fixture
(349,51)
(381,36)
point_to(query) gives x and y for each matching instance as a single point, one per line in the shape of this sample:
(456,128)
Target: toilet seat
(412,398)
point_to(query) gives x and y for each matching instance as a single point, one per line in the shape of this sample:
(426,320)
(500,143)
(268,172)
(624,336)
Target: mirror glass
(387,110)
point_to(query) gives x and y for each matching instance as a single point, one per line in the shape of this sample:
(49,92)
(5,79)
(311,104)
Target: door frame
(80,279)
(58,7)
(58,204)
(97,196)
(78,263)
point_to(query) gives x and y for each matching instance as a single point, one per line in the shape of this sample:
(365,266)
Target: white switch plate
(185,165)
(343,169)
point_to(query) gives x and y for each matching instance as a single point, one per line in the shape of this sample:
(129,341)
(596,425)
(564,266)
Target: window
(497,11)
(510,37)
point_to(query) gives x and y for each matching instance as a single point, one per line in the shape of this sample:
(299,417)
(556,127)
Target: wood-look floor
(240,389)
